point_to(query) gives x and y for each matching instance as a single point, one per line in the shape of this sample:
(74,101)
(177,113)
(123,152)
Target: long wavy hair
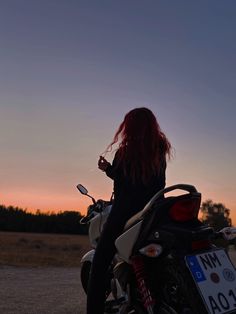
(142,145)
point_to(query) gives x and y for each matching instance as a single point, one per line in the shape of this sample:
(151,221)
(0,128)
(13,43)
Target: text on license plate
(215,277)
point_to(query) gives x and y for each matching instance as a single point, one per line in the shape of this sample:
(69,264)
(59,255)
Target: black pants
(105,251)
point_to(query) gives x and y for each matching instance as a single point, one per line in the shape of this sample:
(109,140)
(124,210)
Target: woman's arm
(108,168)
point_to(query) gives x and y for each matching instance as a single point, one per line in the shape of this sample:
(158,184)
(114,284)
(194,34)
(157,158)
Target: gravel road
(41,291)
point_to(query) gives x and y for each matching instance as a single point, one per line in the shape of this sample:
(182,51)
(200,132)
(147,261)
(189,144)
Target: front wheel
(84,274)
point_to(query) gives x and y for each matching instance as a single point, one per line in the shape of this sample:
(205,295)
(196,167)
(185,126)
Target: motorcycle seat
(141,214)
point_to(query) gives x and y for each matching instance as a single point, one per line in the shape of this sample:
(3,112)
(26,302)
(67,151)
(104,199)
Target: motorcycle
(166,260)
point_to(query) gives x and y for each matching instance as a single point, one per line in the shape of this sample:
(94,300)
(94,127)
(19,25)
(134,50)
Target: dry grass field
(46,250)
(41,250)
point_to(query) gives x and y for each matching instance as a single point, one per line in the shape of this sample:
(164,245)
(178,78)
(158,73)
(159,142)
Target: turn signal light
(151,250)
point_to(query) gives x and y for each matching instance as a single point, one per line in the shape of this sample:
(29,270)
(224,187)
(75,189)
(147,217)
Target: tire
(135,306)
(173,277)
(84,275)
(179,291)
(134,303)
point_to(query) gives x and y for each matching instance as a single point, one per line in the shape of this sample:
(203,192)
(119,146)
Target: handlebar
(85,220)
(96,208)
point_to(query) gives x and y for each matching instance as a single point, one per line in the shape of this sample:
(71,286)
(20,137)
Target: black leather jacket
(134,196)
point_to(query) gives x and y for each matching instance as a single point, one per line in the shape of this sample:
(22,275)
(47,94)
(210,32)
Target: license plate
(215,277)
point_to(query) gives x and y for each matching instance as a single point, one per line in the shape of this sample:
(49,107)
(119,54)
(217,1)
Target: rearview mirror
(82,189)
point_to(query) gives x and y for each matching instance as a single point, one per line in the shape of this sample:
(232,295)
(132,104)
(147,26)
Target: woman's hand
(103,163)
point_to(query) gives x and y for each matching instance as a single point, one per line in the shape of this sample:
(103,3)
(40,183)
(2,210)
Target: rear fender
(88,257)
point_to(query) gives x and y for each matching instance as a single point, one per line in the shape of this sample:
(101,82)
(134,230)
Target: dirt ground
(41,291)
(47,290)
(40,273)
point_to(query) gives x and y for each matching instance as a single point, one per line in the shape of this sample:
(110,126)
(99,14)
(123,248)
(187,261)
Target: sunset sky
(69,72)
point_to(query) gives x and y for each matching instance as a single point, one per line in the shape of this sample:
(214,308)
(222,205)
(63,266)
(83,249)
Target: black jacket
(134,196)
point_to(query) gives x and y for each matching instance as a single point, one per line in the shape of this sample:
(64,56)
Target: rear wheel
(175,293)
(179,291)
(135,306)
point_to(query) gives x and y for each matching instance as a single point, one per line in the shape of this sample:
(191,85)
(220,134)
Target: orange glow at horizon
(78,203)
(63,97)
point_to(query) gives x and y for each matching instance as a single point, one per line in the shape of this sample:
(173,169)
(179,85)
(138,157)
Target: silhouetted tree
(215,215)
(16,219)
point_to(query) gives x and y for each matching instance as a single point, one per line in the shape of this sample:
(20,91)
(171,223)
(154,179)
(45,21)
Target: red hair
(143,146)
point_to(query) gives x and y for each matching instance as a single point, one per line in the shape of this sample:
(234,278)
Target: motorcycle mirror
(82,189)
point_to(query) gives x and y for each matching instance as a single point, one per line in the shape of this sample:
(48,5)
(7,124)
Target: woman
(138,171)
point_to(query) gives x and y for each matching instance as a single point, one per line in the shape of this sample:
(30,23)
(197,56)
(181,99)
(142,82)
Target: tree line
(216,215)
(16,219)
(19,220)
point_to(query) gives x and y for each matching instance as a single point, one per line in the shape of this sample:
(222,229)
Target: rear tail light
(151,250)
(185,209)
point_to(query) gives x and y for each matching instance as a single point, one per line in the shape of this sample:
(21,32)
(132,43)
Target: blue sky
(70,70)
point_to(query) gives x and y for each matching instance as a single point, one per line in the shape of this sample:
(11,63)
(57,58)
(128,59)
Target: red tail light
(185,209)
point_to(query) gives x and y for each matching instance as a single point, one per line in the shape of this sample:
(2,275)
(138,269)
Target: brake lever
(85,220)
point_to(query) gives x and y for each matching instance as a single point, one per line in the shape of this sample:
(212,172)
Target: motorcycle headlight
(151,250)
